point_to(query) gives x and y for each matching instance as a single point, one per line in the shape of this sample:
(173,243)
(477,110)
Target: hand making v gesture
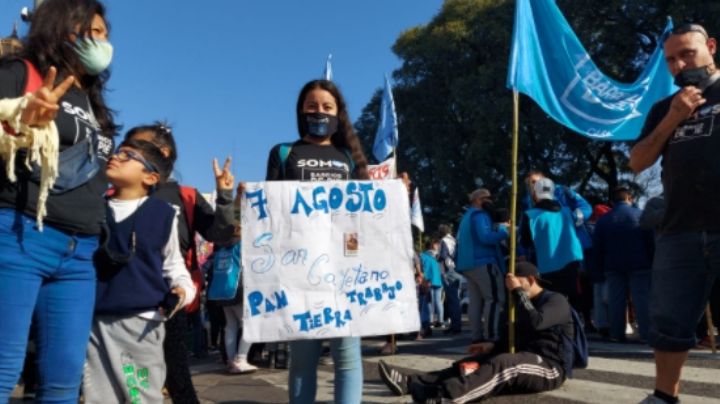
(224,180)
(43,105)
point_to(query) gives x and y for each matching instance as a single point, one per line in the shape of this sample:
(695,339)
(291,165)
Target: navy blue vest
(139,286)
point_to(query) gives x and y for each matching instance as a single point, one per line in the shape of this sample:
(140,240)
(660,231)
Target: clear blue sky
(227,73)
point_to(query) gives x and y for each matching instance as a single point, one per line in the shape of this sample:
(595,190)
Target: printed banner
(549,64)
(327,259)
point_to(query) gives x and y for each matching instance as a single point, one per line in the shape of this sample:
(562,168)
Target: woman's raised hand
(43,105)
(224,180)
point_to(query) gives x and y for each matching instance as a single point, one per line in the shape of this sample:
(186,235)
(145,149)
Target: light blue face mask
(95,55)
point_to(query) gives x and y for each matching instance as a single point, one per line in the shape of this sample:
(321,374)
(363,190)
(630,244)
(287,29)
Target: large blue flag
(386,137)
(549,64)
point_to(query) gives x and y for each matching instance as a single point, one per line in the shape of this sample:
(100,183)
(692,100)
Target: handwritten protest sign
(327,259)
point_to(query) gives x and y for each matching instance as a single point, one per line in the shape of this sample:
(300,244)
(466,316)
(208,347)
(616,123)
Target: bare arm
(683,105)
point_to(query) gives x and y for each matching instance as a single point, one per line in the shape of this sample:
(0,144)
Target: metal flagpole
(513,216)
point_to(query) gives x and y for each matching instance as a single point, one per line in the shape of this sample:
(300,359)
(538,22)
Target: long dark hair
(345,137)
(162,137)
(47,44)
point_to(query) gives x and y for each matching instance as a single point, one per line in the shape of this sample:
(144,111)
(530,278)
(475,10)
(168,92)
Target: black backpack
(576,349)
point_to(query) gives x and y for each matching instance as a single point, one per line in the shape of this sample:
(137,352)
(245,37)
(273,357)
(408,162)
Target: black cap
(525,269)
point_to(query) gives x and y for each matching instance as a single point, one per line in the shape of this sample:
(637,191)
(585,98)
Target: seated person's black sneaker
(394,379)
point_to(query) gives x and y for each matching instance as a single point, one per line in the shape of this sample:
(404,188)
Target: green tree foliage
(455,114)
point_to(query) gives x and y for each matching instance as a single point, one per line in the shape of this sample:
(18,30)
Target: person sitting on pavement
(539,364)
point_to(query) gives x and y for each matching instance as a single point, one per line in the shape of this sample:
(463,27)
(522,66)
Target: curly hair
(345,137)
(47,44)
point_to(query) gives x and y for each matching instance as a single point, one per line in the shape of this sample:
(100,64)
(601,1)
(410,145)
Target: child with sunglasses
(142,280)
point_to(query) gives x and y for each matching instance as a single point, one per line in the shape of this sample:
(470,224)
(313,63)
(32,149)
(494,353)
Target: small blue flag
(386,137)
(327,73)
(549,64)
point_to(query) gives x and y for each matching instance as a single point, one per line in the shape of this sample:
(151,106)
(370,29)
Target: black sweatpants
(178,381)
(522,372)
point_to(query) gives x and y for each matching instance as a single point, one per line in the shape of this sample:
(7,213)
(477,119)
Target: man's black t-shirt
(310,162)
(82,209)
(691,166)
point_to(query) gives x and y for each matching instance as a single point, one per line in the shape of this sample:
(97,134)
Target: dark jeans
(424,307)
(685,267)
(452,300)
(638,284)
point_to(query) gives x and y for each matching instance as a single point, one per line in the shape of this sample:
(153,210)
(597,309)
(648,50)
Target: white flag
(416,217)
(327,73)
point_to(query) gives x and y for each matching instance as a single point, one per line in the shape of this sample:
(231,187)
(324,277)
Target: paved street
(618,373)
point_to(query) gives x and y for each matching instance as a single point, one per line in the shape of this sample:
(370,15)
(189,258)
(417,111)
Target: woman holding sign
(52,106)
(328,149)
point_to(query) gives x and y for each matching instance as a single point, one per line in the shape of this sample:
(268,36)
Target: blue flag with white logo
(386,137)
(549,64)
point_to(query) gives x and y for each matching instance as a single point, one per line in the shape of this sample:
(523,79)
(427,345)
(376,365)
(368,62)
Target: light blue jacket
(431,268)
(478,243)
(554,238)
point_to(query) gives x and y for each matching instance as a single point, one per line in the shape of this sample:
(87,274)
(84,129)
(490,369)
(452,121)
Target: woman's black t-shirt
(82,209)
(310,162)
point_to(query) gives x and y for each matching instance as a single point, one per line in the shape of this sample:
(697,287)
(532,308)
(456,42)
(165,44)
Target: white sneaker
(241,366)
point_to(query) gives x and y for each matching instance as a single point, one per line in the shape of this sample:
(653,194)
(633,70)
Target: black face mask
(488,206)
(692,77)
(319,125)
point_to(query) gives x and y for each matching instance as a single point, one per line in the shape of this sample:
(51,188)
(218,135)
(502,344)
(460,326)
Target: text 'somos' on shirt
(82,209)
(310,162)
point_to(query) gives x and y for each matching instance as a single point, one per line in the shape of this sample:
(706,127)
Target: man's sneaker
(396,381)
(652,399)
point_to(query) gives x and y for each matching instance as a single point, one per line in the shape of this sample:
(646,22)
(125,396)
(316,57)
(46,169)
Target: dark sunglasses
(125,155)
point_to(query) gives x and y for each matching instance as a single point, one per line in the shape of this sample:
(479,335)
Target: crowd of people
(98,255)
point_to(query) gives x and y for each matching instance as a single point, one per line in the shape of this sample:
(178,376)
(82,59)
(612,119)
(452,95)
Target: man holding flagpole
(682,129)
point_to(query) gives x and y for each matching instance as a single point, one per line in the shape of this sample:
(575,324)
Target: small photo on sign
(351,244)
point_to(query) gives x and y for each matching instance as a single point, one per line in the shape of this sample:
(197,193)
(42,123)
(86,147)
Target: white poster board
(327,259)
